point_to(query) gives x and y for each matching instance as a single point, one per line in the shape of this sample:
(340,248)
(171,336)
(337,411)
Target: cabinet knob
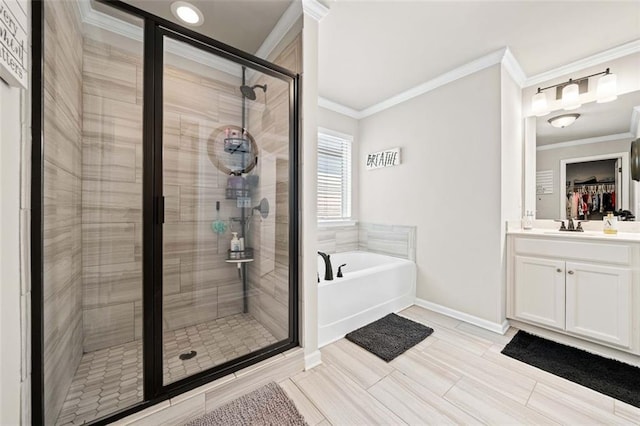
(558,270)
(570,272)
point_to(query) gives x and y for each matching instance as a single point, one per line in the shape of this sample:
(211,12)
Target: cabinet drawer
(597,252)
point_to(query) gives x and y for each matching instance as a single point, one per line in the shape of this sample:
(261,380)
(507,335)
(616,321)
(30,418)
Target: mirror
(590,158)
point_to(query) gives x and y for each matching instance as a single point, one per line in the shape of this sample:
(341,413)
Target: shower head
(249,92)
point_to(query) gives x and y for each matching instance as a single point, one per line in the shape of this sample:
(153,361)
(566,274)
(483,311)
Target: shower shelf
(234,193)
(241,256)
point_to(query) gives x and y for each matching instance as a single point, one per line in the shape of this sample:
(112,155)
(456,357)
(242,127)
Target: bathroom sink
(573,233)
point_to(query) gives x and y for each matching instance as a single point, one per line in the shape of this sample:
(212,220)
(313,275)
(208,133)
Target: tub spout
(328,271)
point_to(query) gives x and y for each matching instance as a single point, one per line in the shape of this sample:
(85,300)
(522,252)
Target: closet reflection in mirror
(582,170)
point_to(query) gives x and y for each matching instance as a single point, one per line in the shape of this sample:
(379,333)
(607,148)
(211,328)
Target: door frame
(155,28)
(624,194)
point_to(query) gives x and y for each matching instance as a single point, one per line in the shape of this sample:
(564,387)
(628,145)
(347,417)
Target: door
(225,187)
(599,302)
(539,291)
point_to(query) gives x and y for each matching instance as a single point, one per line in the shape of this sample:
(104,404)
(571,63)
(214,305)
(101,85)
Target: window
(334,177)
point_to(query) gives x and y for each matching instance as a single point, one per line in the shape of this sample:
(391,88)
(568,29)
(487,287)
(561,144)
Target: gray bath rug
(268,405)
(390,336)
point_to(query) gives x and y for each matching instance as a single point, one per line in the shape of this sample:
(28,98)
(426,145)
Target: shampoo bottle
(235,242)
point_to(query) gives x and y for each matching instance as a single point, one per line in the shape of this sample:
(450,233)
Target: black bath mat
(389,336)
(610,377)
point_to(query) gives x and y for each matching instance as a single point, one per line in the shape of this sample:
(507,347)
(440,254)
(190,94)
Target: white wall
(308,207)
(10,292)
(512,166)
(341,123)
(448,185)
(548,205)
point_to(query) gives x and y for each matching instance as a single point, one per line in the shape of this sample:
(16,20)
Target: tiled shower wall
(198,284)
(62,273)
(269,276)
(392,240)
(111,194)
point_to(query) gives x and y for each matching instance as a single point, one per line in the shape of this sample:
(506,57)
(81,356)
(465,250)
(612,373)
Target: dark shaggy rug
(610,377)
(268,405)
(390,336)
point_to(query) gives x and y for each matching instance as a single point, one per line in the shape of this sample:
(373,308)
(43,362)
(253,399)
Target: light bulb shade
(539,104)
(562,121)
(571,96)
(607,88)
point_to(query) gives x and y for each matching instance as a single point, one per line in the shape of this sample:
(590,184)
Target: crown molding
(587,141)
(512,66)
(339,108)
(469,68)
(103,21)
(509,62)
(282,27)
(314,9)
(597,59)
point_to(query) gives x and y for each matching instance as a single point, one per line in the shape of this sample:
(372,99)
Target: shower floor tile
(110,379)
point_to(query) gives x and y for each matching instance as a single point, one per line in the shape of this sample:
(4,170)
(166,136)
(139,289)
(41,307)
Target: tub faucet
(328,271)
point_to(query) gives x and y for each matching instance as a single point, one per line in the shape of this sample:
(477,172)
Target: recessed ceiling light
(187,13)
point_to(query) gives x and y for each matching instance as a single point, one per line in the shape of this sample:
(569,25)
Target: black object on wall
(635,159)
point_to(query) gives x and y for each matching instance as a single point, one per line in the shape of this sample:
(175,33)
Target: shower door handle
(160,210)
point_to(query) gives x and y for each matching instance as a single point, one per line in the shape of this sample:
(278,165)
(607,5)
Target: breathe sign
(387,158)
(13,42)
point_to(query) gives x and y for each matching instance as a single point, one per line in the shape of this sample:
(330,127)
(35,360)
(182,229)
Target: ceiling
(243,24)
(595,120)
(372,50)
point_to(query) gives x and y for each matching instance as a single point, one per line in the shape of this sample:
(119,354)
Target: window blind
(334,178)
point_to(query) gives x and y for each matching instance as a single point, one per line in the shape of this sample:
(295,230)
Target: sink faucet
(328,271)
(571,225)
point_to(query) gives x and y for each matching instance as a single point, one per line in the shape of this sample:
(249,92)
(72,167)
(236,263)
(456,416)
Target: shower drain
(187,355)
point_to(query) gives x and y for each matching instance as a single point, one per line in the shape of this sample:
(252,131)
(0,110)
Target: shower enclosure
(164,225)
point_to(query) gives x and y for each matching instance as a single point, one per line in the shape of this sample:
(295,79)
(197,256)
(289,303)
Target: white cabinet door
(599,302)
(539,291)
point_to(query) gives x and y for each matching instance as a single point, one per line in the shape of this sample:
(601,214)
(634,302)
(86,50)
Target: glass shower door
(225,174)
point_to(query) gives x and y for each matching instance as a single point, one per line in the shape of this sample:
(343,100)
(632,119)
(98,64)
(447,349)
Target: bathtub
(373,286)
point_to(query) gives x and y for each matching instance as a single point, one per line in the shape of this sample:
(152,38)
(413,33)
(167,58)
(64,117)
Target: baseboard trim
(471,319)
(313,359)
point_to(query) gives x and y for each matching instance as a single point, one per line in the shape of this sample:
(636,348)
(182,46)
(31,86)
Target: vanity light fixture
(571,96)
(569,92)
(607,85)
(187,13)
(564,120)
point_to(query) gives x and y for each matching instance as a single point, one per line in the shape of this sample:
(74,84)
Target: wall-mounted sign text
(14,42)
(387,158)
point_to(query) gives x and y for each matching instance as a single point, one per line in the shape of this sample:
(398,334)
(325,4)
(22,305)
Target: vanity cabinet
(540,291)
(598,302)
(576,287)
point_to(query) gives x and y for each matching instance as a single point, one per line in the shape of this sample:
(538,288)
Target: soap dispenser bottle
(235,242)
(610,224)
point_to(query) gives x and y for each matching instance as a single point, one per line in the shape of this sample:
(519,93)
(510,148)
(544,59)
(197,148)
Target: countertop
(586,235)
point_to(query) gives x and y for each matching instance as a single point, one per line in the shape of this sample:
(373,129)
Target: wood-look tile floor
(456,376)
(110,379)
